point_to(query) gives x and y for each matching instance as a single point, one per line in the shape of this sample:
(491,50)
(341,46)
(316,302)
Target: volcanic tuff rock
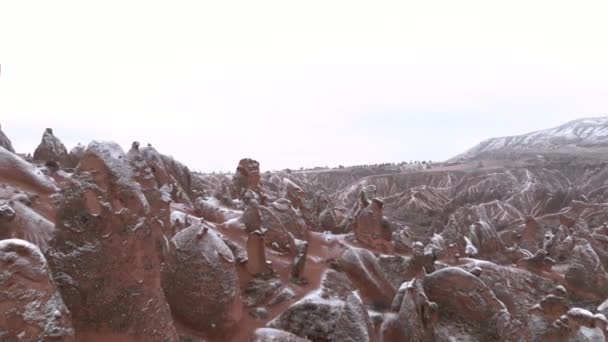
(334,313)
(31,306)
(105,256)
(509,245)
(247,177)
(200,281)
(51,149)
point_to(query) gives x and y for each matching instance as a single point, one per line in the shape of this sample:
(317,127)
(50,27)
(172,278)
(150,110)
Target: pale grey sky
(302,83)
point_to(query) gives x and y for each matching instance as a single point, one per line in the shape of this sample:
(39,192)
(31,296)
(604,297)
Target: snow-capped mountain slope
(576,134)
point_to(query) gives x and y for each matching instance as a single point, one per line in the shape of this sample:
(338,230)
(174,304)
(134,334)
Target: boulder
(201,282)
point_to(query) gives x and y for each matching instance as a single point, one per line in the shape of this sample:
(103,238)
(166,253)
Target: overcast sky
(303,83)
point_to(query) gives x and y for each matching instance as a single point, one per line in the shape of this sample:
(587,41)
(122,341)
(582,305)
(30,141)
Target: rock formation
(372,228)
(247,177)
(31,307)
(51,149)
(5,142)
(105,256)
(200,282)
(334,314)
(139,248)
(256,254)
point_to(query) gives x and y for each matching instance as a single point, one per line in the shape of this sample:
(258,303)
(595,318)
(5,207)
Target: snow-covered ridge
(581,133)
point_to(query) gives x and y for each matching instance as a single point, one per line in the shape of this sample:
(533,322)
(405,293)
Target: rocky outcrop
(299,261)
(364,271)
(31,308)
(532,235)
(51,149)
(6,142)
(585,270)
(276,235)
(372,228)
(201,283)
(464,295)
(106,253)
(252,218)
(19,220)
(19,173)
(290,218)
(154,170)
(75,155)
(256,254)
(334,313)
(247,177)
(414,317)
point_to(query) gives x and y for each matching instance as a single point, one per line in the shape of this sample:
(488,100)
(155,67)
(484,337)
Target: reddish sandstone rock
(51,149)
(256,254)
(201,283)
(31,308)
(105,255)
(6,142)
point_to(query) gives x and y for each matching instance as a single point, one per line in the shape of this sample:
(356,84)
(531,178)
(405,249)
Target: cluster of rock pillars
(102,245)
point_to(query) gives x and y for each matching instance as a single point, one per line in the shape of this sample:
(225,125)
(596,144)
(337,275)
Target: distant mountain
(575,135)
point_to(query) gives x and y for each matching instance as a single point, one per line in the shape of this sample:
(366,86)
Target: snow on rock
(333,313)
(106,253)
(16,171)
(364,271)
(581,133)
(31,308)
(18,220)
(201,283)
(247,177)
(274,335)
(461,293)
